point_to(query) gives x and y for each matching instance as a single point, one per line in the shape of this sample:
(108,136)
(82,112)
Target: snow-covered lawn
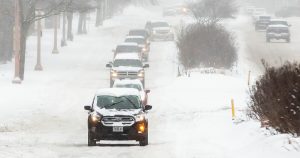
(191,116)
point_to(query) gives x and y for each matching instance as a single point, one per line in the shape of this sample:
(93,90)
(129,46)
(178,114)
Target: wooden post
(232,109)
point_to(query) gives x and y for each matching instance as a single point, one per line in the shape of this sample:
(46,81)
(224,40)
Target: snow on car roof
(127,56)
(128,44)
(278,20)
(128,81)
(117,92)
(135,37)
(279,25)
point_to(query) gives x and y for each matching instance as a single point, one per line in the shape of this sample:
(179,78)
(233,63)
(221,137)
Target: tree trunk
(70,36)
(80,23)
(84,19)
(99,15)
(24,31)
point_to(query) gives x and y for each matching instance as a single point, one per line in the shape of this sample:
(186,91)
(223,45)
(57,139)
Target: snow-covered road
(191,117)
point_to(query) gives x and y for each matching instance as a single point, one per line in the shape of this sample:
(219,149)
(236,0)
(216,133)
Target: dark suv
(117,114)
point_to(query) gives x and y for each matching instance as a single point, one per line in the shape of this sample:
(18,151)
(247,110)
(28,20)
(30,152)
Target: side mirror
(109,65)
(146,66)
(88,108)
(147,91)
(289,25)
(148,107)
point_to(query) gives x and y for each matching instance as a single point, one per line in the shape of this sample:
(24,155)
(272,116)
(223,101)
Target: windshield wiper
(130,102)
(107,106)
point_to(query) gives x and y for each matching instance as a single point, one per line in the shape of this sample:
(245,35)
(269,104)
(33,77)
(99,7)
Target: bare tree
(213,10)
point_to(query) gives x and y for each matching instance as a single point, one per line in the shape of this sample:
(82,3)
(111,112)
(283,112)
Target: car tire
(144,141)
(143,82)
(91,141)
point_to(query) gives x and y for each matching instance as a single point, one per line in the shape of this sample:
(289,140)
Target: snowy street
(191,116)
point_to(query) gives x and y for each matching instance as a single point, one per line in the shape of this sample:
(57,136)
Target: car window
(138,33)
(136,40)
(127,62)
(160,24)
(122,102)
(128,49)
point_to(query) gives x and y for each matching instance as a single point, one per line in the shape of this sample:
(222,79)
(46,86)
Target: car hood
(127,68)
(162,28)
(115,112)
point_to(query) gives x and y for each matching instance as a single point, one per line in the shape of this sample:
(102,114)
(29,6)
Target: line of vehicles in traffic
(120,111)
(276,29)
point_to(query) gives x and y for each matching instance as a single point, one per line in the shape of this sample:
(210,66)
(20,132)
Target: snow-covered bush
(206,45)
(275,98)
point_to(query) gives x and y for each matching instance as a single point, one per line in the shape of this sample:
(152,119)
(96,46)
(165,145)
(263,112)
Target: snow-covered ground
(191,116)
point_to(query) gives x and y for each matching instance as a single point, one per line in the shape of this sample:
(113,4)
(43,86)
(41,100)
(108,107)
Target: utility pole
(63,40)
(38,66)
(55,50)
(17,42)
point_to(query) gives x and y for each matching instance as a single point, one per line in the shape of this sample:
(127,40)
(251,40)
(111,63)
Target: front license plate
(117,129)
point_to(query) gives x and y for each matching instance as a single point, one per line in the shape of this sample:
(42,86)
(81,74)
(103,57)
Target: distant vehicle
(136,84)
(262,22)
(142,43)
(160,30)
(128,48)
(279,22)
(127,66)
(288,12)
(176,10)
(258,12)
(278,32)
(117,114)
(140,32)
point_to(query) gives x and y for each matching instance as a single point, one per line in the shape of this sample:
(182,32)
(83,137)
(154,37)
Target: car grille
(124,74)
(113,120)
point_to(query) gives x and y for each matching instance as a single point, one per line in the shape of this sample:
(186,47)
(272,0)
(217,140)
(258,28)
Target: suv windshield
(278,23)
(122,102)
(128,62)
(128,49)
(278,30)
(160,24)
(135,86)
(136,40)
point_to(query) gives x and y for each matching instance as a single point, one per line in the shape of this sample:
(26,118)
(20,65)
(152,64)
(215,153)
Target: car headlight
(141,73)
(95,118)
(113,73)
(144,49)
(139,117)
(154,31)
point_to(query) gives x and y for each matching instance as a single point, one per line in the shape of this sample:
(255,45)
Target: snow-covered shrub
(206,45)
(275,98)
